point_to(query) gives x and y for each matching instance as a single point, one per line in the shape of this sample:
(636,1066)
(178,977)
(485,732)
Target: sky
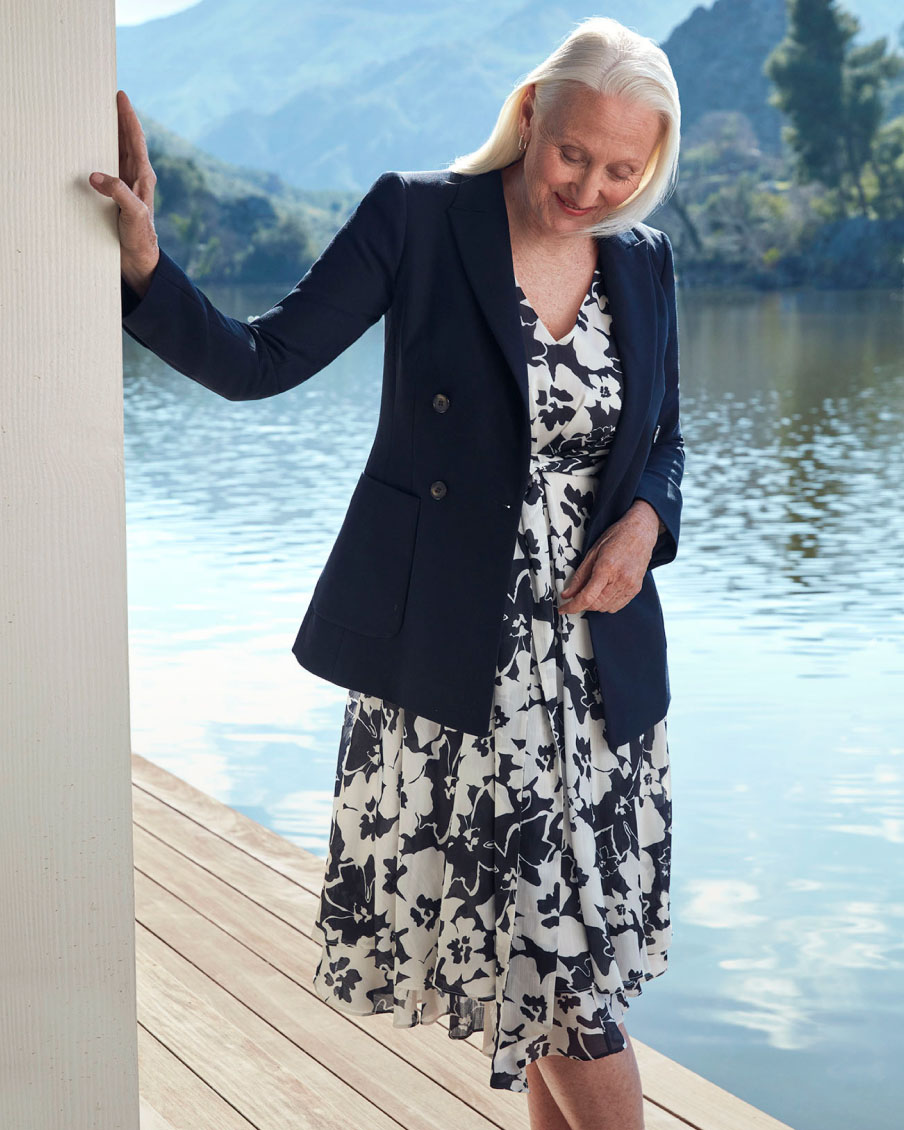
(137,11)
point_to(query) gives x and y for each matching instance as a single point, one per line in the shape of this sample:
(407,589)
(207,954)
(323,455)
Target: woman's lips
(572,211)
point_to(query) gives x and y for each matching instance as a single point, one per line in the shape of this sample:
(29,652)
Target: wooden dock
(231,1035)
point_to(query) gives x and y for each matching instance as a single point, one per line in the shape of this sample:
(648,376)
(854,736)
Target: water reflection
(794,409)
(786,622)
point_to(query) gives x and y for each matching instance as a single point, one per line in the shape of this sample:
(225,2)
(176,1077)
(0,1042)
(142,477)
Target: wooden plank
(412,1074)
(149,1119)
(173,1097)
(349,1079)
(250,858)
(655,1118)
(248,990)
(293,903)
(231,1062)
(697,1100)
(284,857)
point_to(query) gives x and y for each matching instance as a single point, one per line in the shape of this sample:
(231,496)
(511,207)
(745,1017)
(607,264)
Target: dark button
(441,402)
(438,489)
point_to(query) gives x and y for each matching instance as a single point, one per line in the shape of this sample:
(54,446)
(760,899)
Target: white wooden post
(68,1035)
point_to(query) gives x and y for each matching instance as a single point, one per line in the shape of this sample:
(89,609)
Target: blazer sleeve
(345,291)
(660,482)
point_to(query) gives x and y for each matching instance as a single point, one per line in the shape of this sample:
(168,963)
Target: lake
(785,616)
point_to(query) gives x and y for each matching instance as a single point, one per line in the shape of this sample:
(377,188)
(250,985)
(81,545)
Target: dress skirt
(517,882)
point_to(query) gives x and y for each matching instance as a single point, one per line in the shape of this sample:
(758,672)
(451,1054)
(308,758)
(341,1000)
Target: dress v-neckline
(561,340)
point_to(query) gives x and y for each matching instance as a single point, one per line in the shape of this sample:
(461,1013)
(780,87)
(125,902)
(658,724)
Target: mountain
(329,97)
(226,223)
(717,56)
(332,95)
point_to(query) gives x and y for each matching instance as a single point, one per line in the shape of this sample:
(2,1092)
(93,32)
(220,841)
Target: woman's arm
(660,483)
(345,291)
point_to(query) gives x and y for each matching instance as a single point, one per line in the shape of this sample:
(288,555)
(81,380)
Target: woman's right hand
(133,191)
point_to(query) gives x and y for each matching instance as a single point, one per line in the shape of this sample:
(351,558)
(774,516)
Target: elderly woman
(501,829)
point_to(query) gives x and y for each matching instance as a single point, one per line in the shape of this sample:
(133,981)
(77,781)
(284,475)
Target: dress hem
(430,1004)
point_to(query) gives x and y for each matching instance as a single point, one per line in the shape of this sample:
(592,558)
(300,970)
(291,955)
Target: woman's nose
(583,196)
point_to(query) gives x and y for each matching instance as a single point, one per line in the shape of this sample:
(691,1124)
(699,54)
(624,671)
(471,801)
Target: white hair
(614,60)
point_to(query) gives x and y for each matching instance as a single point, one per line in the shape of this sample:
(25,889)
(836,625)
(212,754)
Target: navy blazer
(409,605)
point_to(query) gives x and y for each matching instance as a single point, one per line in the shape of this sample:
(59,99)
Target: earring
(522,144)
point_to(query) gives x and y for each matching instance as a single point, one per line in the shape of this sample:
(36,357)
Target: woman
(512,871)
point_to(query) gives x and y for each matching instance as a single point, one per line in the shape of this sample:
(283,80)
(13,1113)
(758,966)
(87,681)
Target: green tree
(831,92)
(179,182)
(282,251)
(806,70)
(887,163)
(866,69)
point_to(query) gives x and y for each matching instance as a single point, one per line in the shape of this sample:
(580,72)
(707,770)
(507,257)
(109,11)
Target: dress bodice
(575,383)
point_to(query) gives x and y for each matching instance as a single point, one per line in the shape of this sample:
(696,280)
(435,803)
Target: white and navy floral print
(518,882)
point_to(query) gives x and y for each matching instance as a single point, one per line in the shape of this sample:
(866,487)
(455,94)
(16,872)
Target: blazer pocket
(364,583)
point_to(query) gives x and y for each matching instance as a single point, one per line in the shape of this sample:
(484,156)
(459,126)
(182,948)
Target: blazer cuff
(141,313)
(666,546)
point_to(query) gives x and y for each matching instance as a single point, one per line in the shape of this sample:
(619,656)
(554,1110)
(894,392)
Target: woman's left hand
(612,571)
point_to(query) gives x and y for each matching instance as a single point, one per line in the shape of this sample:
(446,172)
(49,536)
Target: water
(785,616)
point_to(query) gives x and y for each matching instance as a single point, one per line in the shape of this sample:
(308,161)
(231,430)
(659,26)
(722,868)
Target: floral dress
(517,882)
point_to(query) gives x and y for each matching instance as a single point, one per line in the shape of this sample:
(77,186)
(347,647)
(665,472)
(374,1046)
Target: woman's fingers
(133,191)
(599,582)
(583,571)
(609,576)
(588,596)
(134,164)
(119,191)
(136,178)
(603,594)
(132,139)
(123,133)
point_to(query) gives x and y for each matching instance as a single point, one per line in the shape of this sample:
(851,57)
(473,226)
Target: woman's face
(589,152)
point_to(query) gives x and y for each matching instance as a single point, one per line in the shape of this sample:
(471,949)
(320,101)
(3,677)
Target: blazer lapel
(637,310)
(479,221)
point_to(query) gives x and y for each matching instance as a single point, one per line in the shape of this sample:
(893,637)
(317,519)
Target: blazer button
(441,402)
(438,489)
